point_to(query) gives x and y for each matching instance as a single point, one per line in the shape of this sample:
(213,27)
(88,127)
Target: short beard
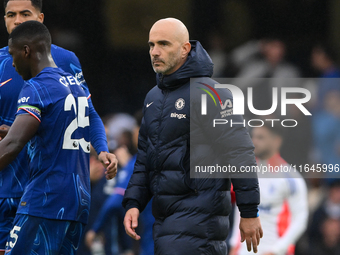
(263,154)
(172,63)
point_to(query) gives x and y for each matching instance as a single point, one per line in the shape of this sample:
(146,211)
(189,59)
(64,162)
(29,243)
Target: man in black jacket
(191,214)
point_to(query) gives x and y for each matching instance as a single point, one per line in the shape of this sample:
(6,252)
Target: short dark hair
(139,117)
(36,3)
(30,31)
(327,49)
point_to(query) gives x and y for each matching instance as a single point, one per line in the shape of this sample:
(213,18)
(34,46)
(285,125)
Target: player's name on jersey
(69,80)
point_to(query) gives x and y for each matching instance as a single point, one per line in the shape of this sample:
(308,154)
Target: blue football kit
(34,235)
(114,202)
(14,178)
(113,207)
(57,195)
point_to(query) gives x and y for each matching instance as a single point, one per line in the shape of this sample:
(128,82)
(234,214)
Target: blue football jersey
(59,184)
(13,178)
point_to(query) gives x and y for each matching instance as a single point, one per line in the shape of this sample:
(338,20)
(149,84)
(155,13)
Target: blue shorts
(8,209)
(34,235)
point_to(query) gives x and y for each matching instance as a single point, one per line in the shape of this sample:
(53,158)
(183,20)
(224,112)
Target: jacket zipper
(159,129)
(157,170)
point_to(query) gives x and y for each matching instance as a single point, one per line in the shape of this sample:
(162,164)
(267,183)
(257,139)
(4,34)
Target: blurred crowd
(105,232)
(315,140)
(262,65)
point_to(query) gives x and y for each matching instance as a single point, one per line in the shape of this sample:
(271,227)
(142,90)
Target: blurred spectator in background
(112,208)
(218,54)
(323,59)
(329,243)
(283,207)
(297,143)
(324,230)
(316,194)
(119,127)
(262,66)
(326,132)
(241,55)
(269,63)
(330,208)
(112,211)
(98,195)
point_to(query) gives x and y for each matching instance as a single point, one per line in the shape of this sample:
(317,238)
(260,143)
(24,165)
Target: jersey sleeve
(30,102)
(74,67)
(97,131)
(297,200)
(69,62)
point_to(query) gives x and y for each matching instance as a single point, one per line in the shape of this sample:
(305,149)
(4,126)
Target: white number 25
(80,121)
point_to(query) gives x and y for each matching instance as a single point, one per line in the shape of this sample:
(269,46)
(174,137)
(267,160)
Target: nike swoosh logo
(3,83)
(147,105)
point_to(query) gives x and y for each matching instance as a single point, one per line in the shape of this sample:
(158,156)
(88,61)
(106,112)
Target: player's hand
(251,232)
(3,131)
(123,155)
(131,223)
(89,238)
(269,253)
(110,162)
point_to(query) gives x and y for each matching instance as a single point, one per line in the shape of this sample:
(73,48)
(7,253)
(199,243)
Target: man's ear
(41,17)
(186,49)
(27,51)
(5,21)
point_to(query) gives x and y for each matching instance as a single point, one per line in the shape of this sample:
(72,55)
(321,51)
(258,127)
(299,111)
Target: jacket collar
(198,64)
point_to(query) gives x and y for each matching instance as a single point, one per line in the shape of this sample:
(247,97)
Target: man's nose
(18,20)
(155,51)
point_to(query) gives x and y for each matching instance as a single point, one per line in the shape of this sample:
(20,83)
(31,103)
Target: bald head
(169,45)
(173,28)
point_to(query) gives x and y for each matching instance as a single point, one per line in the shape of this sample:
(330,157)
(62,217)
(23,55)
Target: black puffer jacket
(191,214)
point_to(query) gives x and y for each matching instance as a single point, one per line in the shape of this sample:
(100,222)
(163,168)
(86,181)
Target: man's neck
(45,61)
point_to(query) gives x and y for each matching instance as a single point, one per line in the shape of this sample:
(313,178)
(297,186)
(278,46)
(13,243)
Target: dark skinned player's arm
(3,131)
(23,129)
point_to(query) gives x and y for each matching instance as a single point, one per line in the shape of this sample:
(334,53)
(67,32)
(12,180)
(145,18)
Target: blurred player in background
(283,207)
(53,116)
(323,59)
(14,178)
(112,207)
